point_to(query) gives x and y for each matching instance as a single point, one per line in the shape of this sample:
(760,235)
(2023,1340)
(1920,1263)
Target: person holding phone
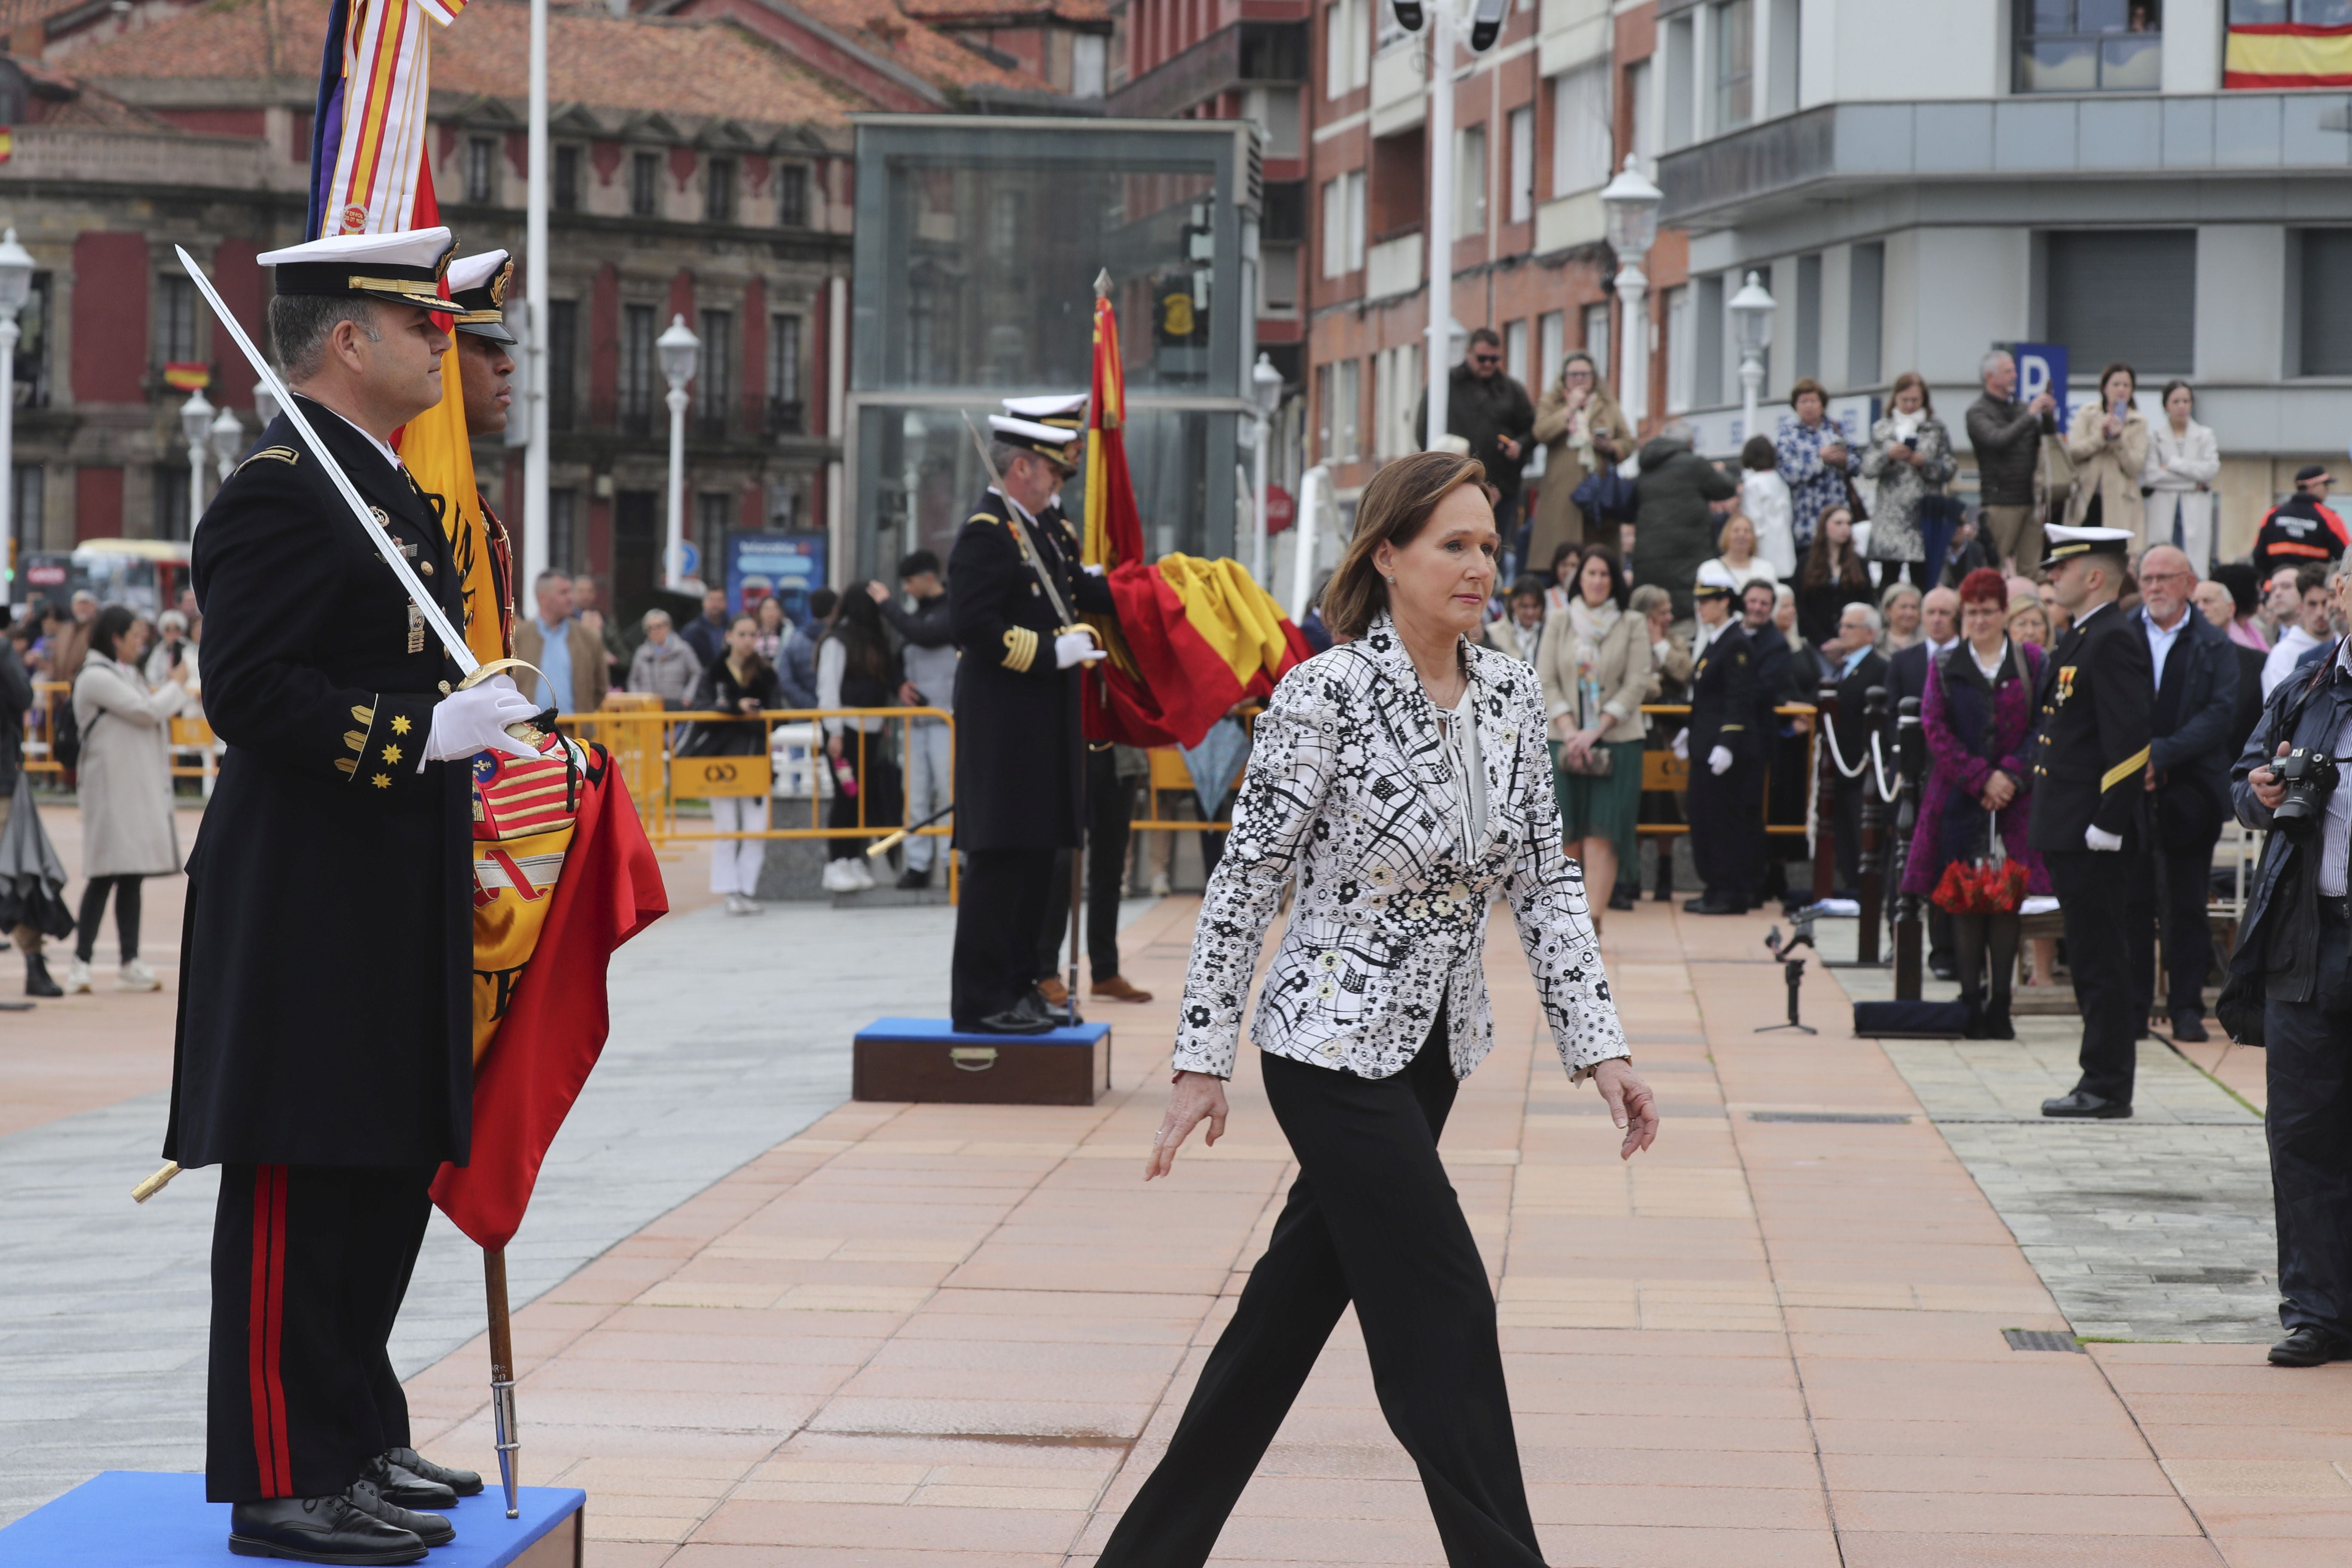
(2109,444)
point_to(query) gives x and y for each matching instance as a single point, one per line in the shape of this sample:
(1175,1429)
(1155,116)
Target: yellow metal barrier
(1665,770)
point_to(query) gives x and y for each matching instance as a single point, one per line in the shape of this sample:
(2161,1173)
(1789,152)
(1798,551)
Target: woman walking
(1403,777)
(1580,429)
(125,788)
(856,668)
(1978,715)
(1596,669)
(2183,460)
(740,683)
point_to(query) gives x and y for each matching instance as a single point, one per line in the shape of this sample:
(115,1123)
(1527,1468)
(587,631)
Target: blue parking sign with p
(2041,367)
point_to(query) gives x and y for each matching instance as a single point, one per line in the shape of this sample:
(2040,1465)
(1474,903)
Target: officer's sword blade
(380,537)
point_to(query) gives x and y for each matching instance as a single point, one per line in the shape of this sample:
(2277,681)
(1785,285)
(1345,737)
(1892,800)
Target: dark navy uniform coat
(2091,750)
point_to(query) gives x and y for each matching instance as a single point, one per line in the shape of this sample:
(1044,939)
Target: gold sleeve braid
(1020,649)
(355,742)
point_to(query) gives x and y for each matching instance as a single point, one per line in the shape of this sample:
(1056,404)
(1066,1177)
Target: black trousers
(1727,839)
(310,1264)
(2099,950)
(2168,894)
(2309,1122)
(1110,806)
(1371,1220)
(999,910)
(126,916)
(875,769)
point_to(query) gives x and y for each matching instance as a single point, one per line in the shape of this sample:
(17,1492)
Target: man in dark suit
(324,1057)
(1856,666)
(2090,804)
(1726,842)
(1906,675)
(1775,681)
(2189,752)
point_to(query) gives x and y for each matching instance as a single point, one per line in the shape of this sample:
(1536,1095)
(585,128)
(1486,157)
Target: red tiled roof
(884,28)
(616,64)
(1006,13)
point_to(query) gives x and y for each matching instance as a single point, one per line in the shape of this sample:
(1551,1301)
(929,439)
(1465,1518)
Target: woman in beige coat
(2108,442)
(124,788)
(1596,666)
(1579,427)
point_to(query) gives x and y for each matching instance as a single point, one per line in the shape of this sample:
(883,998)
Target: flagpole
(535,285)
(503,1429)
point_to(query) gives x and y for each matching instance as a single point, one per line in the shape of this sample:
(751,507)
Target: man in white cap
(1015,594)
(1727,847)
(324,1058)
(2090,795)
(477,288)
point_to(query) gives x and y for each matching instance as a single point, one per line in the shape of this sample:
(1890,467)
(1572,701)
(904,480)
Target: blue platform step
(931,1060)
(136,1518)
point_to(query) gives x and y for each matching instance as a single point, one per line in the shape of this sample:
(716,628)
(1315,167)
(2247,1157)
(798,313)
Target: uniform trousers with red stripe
(309,1264)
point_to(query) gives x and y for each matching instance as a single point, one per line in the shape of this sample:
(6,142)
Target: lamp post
(679,351)
(1630,204)
(1438,236)
(1751,323)
(1265,390)
(16,285)
(265,405)
(228,440)
(196,425)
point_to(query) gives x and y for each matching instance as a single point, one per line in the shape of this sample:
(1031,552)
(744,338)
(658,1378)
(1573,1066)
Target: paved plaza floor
(770,1327)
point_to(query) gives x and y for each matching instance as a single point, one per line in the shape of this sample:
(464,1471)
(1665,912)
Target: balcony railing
(787,417)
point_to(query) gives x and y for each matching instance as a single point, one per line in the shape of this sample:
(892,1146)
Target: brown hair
(1911,378)
(1394,509)
(1805,386)
(1822,567)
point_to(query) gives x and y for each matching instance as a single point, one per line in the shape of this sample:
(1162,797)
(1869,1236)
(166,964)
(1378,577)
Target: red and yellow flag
(2288,55)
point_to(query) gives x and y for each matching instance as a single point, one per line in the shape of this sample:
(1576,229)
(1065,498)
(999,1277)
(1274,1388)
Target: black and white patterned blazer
(1349,787)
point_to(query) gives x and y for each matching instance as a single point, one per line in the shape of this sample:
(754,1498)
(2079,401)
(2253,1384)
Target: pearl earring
(1391,581)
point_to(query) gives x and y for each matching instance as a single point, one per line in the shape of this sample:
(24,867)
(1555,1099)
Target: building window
(1708,326)
(1551,347)
(1515,352)
(2326,261)
(714,510)
(1640,99)
(1396,388)
(1279,269)
(172,500)
(1089,60)
(1596,336)
(175,323)
(30,487)
(1681,365)
(1523,165)
(32,346)
(1343,224)
(1470,182)
(637,369)
(567,179)
(1580,130)
(562,362)
(1865,313)
(718,191)
(2125,294)
(792,195)
(1337,399)
(2100,46)
(1806,360)
(1734,36)
(714,384)
(644,183)
(787,415)
(564,531)
(481,169)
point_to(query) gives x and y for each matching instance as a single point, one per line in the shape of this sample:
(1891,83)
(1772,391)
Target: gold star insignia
(392,753)
(400,724)
(382,780)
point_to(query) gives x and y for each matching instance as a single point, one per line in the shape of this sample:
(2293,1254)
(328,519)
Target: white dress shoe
(136,976)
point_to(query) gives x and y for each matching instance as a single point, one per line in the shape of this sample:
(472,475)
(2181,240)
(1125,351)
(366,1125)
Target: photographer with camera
(2290,989)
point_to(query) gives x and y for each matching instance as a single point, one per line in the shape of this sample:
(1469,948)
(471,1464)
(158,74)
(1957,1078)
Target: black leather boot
(318,1530)
(36,978)
(1973,1000)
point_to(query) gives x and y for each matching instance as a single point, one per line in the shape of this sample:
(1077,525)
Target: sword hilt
(155,1183)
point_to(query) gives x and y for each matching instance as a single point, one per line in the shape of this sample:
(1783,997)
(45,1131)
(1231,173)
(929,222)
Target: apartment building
(2158,182)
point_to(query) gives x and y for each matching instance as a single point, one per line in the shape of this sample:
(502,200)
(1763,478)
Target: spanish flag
(2288,55)
(1192,637)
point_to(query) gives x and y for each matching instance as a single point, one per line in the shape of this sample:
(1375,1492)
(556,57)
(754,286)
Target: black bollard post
(1825,778)
(1911,767)
(1873,836)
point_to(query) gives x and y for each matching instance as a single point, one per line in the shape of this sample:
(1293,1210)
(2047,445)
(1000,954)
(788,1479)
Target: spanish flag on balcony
(2288,55)
(1193,636)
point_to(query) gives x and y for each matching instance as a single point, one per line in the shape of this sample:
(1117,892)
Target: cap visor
(492,331)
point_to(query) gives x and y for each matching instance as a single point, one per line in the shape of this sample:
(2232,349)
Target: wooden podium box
(926,1059)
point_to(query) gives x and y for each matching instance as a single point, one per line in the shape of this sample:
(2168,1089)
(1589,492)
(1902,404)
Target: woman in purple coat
(1979,720)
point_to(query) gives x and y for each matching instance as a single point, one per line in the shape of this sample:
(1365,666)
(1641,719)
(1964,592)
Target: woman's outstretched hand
(1197,1096)
(1632,1106)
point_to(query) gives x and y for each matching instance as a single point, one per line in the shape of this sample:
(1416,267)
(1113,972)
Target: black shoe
(911,879)
(318,1530)
(1027,1017)
(36,978)
(1619,899)
(1978,1020)
(428,1528)
(2082,1104)
(1712,904)
(2309,1345)
(2189,1026)
(464,1483)
(1997,1025)
(401,1485)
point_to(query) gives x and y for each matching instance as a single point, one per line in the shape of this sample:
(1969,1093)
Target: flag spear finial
(1102,284)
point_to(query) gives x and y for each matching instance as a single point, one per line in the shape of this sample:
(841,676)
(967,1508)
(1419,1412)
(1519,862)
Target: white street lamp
(1630,204)
(1265,390)
(15,288)
(1437,233)
(679,351)
(1751,326)
(265,405)
(228,440)
(196,425)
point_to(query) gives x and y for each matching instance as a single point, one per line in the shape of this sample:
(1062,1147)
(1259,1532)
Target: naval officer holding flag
(324,1052)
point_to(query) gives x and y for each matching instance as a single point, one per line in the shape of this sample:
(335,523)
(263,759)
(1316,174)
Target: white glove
(1682,745)
(1718,761)
(1076,648)
(475,720)
(2100,838)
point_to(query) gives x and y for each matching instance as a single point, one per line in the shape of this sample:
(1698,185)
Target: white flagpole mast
(535,454)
